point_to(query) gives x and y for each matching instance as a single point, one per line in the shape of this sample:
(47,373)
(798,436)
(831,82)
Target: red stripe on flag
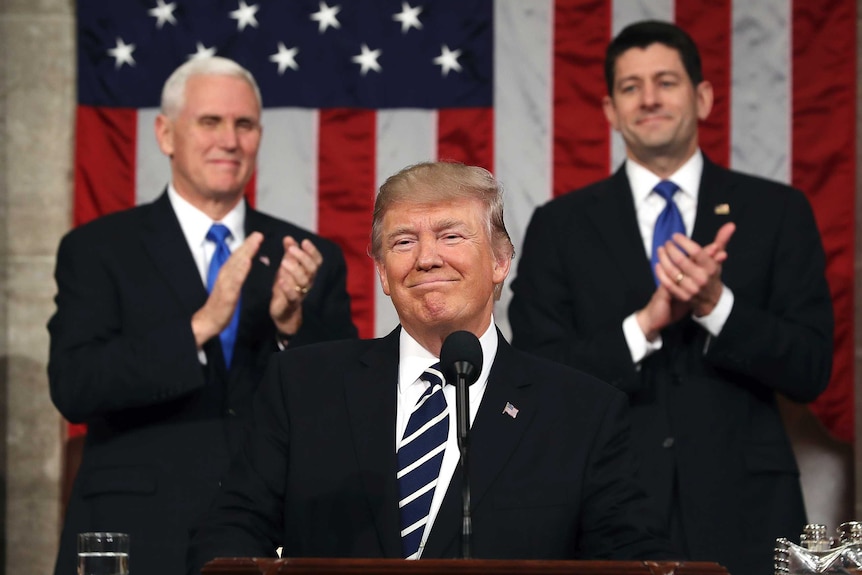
(824,151)
(581,144)
(466,135)
(709,24)
(105,142)
(346,182)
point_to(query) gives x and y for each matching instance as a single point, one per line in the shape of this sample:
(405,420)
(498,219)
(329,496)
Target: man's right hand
(218,310)
(663,308)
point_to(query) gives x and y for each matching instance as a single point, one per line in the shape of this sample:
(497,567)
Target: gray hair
(174,90)
(433,182)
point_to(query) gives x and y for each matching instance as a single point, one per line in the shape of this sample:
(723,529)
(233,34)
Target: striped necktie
(217,234)
(669,221)
(419,457)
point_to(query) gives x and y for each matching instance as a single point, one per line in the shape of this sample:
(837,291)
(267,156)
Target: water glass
(103,553)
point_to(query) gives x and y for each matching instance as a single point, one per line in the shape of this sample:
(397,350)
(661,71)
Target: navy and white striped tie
(420,454)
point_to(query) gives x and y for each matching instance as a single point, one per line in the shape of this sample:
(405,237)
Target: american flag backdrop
(354,90)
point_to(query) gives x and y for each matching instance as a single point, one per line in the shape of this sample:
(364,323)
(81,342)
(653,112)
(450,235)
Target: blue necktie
(668,223)
(217,234)
(419,457)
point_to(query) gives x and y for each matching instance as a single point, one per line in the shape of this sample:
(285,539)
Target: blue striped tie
(669,221)
(419,457)
(217,234)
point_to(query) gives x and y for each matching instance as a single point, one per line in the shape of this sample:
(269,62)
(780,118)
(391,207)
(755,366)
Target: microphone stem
(467,520)
(462,408)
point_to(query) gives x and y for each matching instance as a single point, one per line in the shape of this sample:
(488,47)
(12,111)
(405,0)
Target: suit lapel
(370,396)
(493,438)
(257,289)
(717,203)
(167,248)
(613,215)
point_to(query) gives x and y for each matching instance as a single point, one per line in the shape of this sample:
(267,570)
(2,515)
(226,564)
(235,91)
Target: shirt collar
(195,224)
(414,359)
(687,177)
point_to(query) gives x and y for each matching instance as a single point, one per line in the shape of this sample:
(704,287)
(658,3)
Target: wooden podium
(305,566)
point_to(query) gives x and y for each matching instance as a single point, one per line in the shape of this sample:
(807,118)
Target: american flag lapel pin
(510,410)
(264,260)
(722,209)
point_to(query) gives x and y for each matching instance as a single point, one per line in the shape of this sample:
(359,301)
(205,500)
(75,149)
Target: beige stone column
(37,102)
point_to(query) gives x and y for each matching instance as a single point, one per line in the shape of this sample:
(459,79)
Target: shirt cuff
(714,321)
(639,346)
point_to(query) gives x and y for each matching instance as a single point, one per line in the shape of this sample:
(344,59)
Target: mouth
(652,119)
(431,283)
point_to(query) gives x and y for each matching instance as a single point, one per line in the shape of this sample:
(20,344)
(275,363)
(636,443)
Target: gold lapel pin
(722,209)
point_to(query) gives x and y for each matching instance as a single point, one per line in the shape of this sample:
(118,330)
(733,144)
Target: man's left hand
(294,279)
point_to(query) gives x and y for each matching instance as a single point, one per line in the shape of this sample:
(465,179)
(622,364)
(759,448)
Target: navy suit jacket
(706,422)
(162,426)
(318,476)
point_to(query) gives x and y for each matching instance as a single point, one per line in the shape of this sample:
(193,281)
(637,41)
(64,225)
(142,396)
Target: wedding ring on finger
(301,289)
(679,277)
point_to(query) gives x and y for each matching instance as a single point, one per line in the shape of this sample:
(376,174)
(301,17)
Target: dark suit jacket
(161,426)
(704,411)
(319,475)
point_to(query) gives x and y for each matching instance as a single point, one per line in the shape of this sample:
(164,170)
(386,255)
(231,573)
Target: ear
(704,97)
(381,273)
(610,112)
(501,269)
(165,134)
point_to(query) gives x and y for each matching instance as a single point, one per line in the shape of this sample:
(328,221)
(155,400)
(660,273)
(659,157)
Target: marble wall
(37,79)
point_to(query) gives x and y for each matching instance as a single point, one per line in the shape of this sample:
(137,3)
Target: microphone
(461,362)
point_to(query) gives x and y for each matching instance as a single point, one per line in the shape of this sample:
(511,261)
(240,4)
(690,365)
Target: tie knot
(433,375)
(666,189)
(218,233)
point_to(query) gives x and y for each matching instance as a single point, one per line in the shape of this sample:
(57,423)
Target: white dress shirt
(413,360)
(648,206)
(195,225)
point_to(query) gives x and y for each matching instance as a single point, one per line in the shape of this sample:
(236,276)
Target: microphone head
(461,354)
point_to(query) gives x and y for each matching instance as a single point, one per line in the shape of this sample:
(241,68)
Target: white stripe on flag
(760,113)
(523,92)
(152,168)
(286,184)
(404,137)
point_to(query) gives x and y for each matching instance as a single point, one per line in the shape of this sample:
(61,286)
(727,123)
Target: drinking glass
(103,553)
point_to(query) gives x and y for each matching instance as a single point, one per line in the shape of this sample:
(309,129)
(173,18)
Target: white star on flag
(448,60)
(122,53)
(325,17)
(285,58)
(202,52)
(244,15)
(409,17)
(368,60)
(163,13)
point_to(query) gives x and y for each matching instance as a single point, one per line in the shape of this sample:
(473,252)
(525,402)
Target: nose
(228,138)
(650,96)
(427,256)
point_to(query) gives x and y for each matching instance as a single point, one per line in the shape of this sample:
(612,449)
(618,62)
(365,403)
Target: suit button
(231,412)
(667,443)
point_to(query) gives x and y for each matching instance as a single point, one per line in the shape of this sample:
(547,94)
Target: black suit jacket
(162,426)
(706,425)
(319,475)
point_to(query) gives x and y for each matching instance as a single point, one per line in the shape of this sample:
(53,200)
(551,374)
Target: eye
(209,121)
(247,125)
(402,244)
